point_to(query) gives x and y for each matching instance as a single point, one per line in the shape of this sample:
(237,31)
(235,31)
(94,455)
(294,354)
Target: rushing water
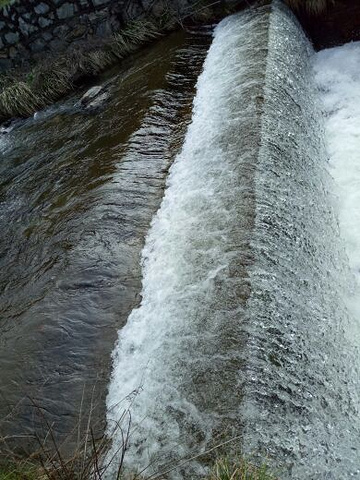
(243,330)
(77,193)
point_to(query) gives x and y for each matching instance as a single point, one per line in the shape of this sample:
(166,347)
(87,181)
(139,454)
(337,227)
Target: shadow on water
(77,194)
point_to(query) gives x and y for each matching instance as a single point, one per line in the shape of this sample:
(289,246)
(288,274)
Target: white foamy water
(182,345)
(242,329)
(338,77)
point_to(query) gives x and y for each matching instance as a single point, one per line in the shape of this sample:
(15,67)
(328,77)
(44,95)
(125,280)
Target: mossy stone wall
(32,28)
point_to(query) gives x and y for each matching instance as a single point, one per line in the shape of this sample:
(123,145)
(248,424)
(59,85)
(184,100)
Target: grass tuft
(22,95)
(239,469)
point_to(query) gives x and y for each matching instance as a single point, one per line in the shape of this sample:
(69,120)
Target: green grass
(2,4)
(20,471)
(239,469)
(224,469)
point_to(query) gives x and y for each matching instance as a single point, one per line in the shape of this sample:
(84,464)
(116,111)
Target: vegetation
(239,469)
(2,4)
(20,471)
(22,94)
(93,457)
(224,469)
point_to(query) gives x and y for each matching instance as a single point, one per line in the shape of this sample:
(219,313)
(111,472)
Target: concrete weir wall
(30,28)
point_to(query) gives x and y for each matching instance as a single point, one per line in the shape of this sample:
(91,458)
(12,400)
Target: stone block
(41,9)
(47,36)
(65,11)
(103,29)
(12,37)
(5,64)
(26,28)
(44,22)
(97,3)
(133,10)
(38,45)
(61,31)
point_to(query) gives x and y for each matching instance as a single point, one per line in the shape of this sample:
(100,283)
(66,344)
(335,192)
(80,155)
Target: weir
(242,331)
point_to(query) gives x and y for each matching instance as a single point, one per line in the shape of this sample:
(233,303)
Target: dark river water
(77,194)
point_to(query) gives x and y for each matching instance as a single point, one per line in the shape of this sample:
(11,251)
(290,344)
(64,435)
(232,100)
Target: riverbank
(222,469)
(23,92)
(26,90)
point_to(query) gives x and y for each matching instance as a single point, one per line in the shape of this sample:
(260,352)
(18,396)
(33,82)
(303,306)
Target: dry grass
(86,459)
(23,94)
(239,469)
(93,456)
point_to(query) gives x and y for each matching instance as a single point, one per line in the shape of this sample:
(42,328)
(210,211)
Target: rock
(65,11)
(44,22)
(100,2)
(90,94)
(41,9)
(12,38)
(5,64)
(98,101)
(26,28)
(47,36)
(37,45)
(93,98)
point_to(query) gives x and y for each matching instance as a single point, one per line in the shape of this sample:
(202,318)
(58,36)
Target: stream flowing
(244,331)
(78,190)
(208,236)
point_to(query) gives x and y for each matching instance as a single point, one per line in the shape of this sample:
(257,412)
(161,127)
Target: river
(77,194)
(195,228)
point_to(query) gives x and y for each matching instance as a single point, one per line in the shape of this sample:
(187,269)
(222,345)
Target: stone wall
(30,28)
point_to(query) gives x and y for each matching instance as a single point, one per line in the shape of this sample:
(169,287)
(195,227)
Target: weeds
(50,80)
(20,471)
(3,3)
(239,469)
(94,457)
(23,93)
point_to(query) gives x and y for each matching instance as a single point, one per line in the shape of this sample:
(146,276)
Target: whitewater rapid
(337,75)
(243,328)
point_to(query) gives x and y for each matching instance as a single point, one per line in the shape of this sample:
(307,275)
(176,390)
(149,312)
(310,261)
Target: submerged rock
(94,98)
